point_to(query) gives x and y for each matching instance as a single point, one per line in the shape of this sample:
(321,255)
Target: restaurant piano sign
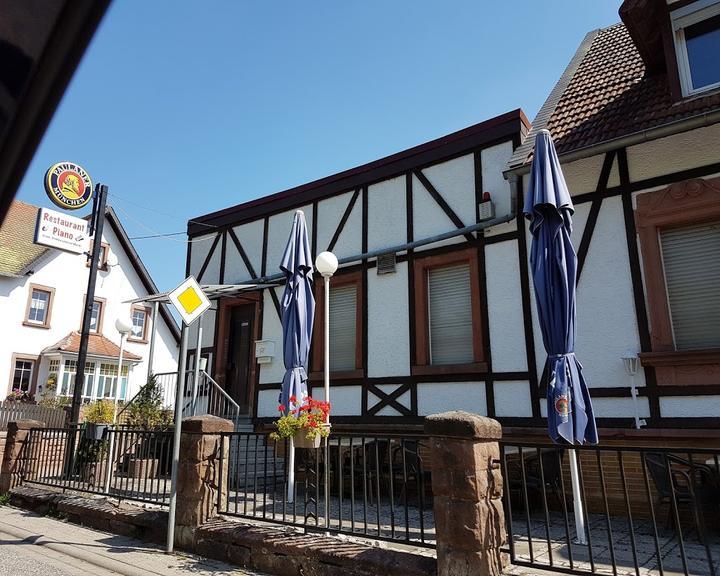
(58,230)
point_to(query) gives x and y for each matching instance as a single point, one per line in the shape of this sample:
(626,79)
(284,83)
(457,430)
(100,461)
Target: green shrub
(146,410)
(100,412)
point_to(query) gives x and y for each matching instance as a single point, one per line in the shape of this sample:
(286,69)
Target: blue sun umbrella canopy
(549,208)
(298,313)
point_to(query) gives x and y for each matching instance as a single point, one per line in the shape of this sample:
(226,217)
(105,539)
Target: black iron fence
(377,486)
(123,463)
(644,510)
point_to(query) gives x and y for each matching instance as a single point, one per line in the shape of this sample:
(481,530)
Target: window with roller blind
(448,322)
(346,352)
(691,262)
(679,232)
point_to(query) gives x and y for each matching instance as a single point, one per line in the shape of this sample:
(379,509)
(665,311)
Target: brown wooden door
(238,370)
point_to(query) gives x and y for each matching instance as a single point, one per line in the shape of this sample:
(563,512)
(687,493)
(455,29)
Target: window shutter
(450,315)
(343,312)
(691,258)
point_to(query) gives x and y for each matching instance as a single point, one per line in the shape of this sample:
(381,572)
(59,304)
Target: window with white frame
(692,278)
(696,29)
(139,323)
(53,366)
(39,309)
(96,317)
(22,375)
(107,381)
(67,385)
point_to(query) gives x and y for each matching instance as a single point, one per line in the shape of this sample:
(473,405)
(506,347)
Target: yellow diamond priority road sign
(189,300)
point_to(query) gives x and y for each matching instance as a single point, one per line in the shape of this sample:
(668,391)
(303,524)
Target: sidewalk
(33,544)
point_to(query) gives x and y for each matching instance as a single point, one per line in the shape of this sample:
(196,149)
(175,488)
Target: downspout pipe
(411,245)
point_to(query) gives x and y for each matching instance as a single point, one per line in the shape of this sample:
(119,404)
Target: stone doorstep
(274,550)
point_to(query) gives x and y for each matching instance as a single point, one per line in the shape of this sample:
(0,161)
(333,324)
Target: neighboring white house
(42,294)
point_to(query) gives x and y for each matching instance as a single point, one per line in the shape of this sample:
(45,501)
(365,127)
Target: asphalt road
(32,545)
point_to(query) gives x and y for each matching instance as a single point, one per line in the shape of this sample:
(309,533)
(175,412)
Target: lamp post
(632,362)
(124,328)
(327,263)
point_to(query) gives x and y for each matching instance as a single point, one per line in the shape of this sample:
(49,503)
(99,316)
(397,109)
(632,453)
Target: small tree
(146,410)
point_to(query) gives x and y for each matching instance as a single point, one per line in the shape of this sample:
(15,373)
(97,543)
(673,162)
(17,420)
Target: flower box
(302,419)
(300,440)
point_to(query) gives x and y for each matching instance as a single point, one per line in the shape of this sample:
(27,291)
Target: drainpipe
(410,245)
(151,353)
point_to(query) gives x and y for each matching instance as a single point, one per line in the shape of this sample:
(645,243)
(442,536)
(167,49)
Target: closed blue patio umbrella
(298,314)
(553,260)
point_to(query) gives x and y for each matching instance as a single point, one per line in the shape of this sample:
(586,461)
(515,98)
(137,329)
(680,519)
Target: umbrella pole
(291,471)
(577,499)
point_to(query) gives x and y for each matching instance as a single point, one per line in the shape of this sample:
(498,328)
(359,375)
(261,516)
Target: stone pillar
(15,461)
(467,493)
(202,473)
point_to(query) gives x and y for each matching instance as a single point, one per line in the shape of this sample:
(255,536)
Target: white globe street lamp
(327,263)
(124,328)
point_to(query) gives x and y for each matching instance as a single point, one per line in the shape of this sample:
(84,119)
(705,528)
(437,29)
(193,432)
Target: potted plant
(17,395)
(147,413)
(98,416)
(305,423)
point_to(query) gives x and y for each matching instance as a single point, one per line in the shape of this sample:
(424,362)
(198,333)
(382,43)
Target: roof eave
(140,269)
(503,126)
(661,131)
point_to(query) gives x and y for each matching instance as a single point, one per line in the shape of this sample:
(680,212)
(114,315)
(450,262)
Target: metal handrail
(235,407)
(222,392)
(127,404)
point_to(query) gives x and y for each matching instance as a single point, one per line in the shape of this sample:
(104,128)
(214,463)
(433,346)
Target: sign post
(190,302)
(96,230)
(68,186)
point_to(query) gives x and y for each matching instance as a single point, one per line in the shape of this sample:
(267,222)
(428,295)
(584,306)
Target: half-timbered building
(429,315)
(636,122)
(419,322)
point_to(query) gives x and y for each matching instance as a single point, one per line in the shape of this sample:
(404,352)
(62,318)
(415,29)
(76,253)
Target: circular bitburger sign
(68,185)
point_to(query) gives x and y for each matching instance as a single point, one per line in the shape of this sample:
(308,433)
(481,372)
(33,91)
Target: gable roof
(98,345)
(17,250)
(605,94)
(493,131)
(140,270)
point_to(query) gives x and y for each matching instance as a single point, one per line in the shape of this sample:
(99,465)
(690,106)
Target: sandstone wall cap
(206,425)
(25,425)
(465,425)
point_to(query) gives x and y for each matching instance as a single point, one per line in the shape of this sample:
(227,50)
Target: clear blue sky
(183,108)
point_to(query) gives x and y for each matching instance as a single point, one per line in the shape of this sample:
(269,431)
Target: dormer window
(697,44)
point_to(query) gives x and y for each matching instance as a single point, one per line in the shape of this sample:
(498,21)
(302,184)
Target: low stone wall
(124,519)
(272,550)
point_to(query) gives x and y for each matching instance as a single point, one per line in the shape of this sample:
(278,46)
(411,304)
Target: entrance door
(239,355)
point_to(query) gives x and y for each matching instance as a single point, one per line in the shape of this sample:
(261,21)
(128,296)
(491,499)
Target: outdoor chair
(689,483)
(551,473)
(407,470)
